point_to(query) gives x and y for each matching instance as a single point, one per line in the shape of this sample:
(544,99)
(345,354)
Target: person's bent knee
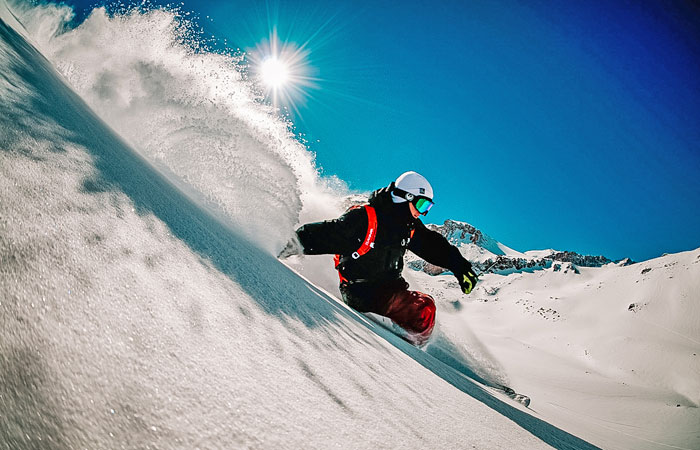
(426,321)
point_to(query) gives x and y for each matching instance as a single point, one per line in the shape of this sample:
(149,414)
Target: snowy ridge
(490,256)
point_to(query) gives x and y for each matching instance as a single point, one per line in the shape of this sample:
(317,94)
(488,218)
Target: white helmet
(413,183)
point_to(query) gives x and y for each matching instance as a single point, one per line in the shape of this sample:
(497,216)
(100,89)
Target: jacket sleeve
(341,236)
(435,249)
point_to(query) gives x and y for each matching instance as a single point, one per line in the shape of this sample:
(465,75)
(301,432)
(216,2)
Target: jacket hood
(381,199)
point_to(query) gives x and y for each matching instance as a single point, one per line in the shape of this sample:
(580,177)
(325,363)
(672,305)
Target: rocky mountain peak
(488,255)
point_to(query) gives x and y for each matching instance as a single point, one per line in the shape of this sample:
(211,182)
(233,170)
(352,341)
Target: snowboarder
(370,241)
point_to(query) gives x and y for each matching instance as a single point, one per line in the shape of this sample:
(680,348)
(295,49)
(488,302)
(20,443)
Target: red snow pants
(412,310)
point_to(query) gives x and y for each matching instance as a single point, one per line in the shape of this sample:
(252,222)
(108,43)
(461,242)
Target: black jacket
(384,262)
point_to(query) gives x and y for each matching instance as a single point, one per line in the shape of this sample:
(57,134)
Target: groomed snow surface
(142,306)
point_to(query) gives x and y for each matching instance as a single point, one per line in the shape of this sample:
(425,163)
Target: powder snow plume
(189,112)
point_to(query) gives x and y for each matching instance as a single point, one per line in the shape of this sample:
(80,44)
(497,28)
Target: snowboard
(520,398)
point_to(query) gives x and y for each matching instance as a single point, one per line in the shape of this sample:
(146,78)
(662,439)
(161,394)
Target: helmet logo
(422,191)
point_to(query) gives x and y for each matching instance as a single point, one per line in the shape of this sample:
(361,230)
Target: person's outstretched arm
(435,249)
(341,236)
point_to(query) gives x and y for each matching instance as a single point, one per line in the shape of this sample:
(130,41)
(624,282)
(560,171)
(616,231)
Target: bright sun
(274,72)
(281,71)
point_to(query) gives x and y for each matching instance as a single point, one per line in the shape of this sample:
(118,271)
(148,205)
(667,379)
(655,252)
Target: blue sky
(567,125)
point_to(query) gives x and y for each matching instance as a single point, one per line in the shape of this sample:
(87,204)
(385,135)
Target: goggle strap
(408,195)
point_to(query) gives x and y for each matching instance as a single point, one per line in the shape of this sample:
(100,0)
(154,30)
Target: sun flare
(274,72)
(282,72)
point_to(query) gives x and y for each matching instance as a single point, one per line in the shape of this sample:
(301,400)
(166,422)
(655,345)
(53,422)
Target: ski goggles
(422,204)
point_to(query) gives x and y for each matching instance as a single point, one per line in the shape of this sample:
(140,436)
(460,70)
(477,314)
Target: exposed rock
(635,307)
(580,260)
(564,267)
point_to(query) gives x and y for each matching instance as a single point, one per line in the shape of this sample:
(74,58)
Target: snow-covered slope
(611,353)
(132,317)
(141,305)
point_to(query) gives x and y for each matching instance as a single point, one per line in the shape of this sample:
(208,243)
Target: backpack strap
(370,236)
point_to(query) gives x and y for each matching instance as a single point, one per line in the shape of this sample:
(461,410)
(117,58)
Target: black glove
(467,278)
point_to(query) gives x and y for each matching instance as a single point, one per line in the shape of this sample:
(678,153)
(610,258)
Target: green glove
(467,279)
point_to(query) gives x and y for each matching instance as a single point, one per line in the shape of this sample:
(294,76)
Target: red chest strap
(371,235)
(368,243)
